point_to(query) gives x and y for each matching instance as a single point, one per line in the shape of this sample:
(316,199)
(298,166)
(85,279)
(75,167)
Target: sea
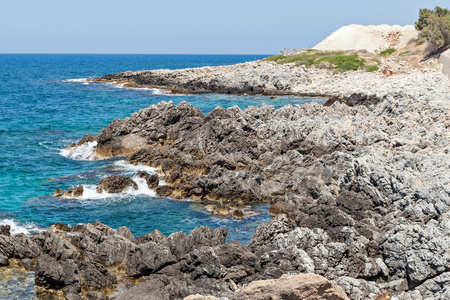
(48,103)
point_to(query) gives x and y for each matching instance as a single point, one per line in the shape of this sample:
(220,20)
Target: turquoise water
(43,110)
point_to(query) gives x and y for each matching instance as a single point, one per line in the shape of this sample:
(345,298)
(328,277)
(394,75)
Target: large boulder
(115,184)
(294,287)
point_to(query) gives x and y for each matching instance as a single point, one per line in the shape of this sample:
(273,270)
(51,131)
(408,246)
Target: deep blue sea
(44,107)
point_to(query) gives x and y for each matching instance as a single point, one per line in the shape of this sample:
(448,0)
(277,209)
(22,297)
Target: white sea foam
(76,80)
(17,227)
(83,152)
(90,191)
(132,169)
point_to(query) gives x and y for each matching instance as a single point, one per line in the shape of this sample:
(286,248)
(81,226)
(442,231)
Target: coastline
(356,183)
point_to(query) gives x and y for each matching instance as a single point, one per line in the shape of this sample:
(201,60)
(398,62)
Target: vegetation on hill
(434,27)
(338,61)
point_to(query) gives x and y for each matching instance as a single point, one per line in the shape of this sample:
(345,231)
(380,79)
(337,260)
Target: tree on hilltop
(434,27)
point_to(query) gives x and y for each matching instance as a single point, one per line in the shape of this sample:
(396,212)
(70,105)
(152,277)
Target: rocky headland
(359,189)
(361,185)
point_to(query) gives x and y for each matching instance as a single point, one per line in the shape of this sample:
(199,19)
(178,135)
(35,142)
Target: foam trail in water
(76,80)
(83,152)
(17,227)
(90,191)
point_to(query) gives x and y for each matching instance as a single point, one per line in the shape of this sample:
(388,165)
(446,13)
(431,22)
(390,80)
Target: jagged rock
(4,261)
(152,180)
(156,236)
(24,247)
(96,296)
(5,230)
(148,258)
(58,193)
(157,287)
(180,244)
(115,184)
(94,276)
(55,246)
(199,297)
(164,190)
(70,276)
(304,286)
(52,274)
(75,192)
(28,264)
(6,246)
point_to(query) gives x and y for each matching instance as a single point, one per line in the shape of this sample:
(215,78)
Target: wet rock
(58,193)
(75,192)
(164,190)
(5,230)
(115,184)
(152,180)
(304,286)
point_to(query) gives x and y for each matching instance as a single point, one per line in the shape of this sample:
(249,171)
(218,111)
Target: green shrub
(404,53)
(387,51)
(324,60)
(372,69)
(434,27)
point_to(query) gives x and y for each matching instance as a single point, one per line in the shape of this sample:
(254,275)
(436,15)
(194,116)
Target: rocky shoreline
(360,188)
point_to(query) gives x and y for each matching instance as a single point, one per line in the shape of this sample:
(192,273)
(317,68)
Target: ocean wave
(83,152)
(27,228)
(90,192)
(154,91)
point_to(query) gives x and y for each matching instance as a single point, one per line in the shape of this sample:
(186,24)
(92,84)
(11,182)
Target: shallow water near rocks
(46,105)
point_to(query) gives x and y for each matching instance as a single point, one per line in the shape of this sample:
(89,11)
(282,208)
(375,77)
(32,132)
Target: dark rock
(55,246)
(74,296)
(115,184)
(164,190)
(156,236)
(4,261)
(180,244)
(61,227)
(148,258)
(24,247)
(5,230)
(152,180)
(28,264)
(75,192)
(96,296)
(93,276)
(6,246)
(58,193)
(52,274)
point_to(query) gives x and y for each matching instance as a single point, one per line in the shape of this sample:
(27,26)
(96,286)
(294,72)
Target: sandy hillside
(371,38)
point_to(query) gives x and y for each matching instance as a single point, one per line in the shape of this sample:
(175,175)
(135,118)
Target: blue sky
(189,26)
